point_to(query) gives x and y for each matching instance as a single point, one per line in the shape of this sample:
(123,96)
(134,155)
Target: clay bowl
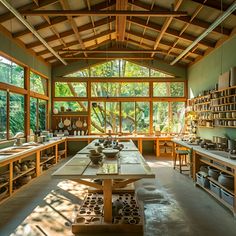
(96,158)
(110,153)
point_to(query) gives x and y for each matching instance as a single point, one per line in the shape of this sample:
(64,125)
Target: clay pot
(226,180)
(214,173)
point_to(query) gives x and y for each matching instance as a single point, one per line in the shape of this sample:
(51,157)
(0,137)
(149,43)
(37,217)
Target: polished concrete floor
(46,206)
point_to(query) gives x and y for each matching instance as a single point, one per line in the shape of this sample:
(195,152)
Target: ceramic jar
(214,173)
(226,180)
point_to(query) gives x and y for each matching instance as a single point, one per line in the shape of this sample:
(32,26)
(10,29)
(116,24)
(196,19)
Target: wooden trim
(39,73)
(12,88)
(38,95)
(27,102)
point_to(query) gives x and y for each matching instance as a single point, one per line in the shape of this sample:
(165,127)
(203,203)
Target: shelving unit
(216,109)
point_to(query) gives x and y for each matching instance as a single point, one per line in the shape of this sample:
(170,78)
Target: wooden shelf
(221,90)
(223,111)
(217,167)
(210,127)
(217,183)
(225,126)
(225,104)
(227,96)
(45,161)
(23,173)
(217,197)
(4,184)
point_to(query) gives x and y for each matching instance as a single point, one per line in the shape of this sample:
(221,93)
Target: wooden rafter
(65,6)
(29,6)
(121,20)
(62,19)
(185,19)
(214,4)
(70,32)
(166,25)
(172,32)
(103,13)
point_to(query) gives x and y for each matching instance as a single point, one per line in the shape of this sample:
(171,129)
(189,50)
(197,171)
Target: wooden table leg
(107,195)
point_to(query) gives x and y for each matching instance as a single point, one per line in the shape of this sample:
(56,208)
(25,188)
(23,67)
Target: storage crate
(215,189)
(227,197)
(202,180)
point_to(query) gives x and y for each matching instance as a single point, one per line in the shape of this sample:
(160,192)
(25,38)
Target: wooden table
(131,167)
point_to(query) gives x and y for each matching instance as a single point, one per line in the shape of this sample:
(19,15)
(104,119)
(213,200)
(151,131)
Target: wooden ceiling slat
(214,4)
(61,19)
(186,19)
(103,13)
(172,32)
(29,6)
(121,20)
(70,32)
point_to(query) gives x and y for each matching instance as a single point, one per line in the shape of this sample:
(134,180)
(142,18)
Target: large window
(38,84)
(71,89)
(168,89)
(11,73)
(38,114)
(73,106)
(3,115)
(17,114)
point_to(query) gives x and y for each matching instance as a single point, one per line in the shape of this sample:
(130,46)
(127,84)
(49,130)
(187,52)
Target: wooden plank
(107,196)
(121,20)
(103,13)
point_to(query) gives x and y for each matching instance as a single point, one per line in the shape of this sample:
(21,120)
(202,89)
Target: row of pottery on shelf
(224,179)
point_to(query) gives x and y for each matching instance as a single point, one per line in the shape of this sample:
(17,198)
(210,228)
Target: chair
(181,156)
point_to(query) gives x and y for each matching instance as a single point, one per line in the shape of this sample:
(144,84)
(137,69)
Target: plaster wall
(204,75)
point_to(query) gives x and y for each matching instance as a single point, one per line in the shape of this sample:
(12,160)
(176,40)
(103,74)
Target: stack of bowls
(95,156)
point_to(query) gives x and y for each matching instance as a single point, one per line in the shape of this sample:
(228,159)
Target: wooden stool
(181,155)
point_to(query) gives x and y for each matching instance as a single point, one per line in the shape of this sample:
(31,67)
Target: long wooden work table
(219,160)
(129,166)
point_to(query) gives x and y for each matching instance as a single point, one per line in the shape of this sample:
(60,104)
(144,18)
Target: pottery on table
(110,152)
(96,158)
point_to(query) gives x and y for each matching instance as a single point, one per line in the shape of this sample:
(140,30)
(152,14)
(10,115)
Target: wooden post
(38,172)
(56,153)
(10,178)
(107,195)
(65,148)
(157,148)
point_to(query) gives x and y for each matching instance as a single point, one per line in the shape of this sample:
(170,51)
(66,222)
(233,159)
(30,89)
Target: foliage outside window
(17,114)
(3,114)
(98,117)
(112,117)
(168,89)
(71,105)
(142,113)
(71,89)
(38,114)
(11,73)
(118,68)
(168,117)
(115,89)
(38,84)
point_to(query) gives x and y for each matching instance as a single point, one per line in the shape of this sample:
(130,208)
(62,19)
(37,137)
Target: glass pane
(177,117)
(42,114)
(99,90)
(129,69)
(135,89)
(168,89)
(71,106)
(156,73)
(128,116)
(112,117)
(142,117)
(160,116)
(11,73)
(38,84)
(33,113)
(17,114)
(114,89)
(81,73)
(108,69)
(70,89)
(3,115)
(98,117)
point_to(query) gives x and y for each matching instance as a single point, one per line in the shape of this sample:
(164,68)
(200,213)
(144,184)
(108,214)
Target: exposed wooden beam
(65,6)
(121,20)
(166,24)
(70,32)
(186,19)
(61,19)
(30,6)
(113,50)
(107,57)
(214,5)
(103,13)
(172,32)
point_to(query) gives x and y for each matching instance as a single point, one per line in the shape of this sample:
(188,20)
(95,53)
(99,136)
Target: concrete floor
(45,207)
